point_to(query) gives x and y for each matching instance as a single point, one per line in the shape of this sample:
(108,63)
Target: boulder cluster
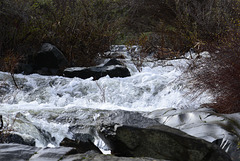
(51,61)
(141,143)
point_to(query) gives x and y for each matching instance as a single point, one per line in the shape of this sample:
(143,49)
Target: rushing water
(50,108)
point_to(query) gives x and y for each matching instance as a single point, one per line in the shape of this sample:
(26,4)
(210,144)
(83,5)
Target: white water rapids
(62,105)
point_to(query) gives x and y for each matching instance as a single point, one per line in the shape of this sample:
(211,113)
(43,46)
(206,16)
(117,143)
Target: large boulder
(50,57)
(48,61)
(161,142)
(220,129)
(113,68)
(28,132)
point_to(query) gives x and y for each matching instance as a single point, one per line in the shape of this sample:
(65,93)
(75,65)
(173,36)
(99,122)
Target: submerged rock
(161,142)
(113,68)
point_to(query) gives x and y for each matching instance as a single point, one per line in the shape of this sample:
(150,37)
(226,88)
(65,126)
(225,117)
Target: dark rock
(48,61)
(113,62)
(16,152)
(25,69)
(83,145)
(160,142)
(98,72)
(50,57)
(204,123)
(15,138)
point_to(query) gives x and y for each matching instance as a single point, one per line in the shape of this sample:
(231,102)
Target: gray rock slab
(51,154)
(16,152)
(100,157)
(161,142)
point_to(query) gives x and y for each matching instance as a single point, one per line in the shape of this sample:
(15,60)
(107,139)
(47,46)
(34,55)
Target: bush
(178,25)
(82,29)
(220,74)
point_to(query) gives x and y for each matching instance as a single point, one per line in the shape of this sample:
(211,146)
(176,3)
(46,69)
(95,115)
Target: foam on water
(159,85)
(153,88)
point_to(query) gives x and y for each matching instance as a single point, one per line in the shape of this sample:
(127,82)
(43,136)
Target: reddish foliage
(221,73)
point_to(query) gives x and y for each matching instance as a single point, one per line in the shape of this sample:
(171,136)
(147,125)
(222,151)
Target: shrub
(178,25)
(82,29)
(221,73)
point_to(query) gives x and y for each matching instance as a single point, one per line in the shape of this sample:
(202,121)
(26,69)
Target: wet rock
(4,88)
(16,138)
(113,62)
(52,154)
(81,144)
(83,137)
(232,148)
(221,129)
(19,152)
(161,142)
(111,68)
(130,118)
(16,152)
(24,126)
(91,156)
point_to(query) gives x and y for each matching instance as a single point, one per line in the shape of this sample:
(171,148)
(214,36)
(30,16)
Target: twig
(14,81)
(102,89)
(1,122)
